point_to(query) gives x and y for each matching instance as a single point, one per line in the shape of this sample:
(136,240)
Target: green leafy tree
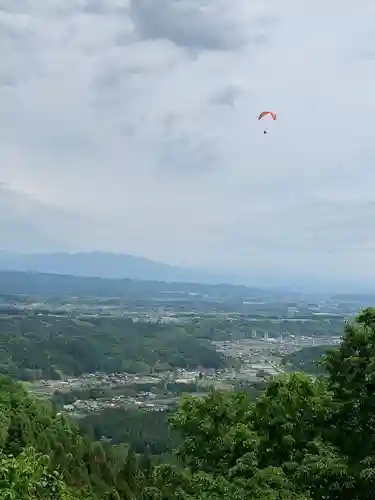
(27,477)
(291,413)
(351,370)
(216,430)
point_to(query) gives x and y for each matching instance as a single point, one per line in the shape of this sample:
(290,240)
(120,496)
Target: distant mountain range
(109,265)
(105,265)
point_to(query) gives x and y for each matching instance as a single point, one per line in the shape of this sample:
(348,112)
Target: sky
(131,126)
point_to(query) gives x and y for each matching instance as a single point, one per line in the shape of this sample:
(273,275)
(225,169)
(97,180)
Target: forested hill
(307,359)
(303,439)
(61,285)
(48,346)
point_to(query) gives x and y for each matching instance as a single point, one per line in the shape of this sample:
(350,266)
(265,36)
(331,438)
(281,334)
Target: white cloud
(141,118)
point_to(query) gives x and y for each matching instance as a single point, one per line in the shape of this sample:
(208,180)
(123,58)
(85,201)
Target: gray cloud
(132,126)
(197,24)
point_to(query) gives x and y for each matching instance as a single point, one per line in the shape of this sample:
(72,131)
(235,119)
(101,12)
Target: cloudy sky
(131,126)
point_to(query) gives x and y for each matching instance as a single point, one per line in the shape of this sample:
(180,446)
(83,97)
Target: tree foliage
(43,455)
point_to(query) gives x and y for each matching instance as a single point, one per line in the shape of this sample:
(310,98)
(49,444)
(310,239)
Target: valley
(154,342)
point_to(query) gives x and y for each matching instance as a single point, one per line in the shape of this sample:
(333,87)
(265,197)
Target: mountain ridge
(103,265)
(60,285)
(117,266)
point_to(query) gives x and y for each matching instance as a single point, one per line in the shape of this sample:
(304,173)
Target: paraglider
(265,113)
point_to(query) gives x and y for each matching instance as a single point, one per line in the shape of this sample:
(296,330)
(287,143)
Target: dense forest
(49,347)
(143,430)
(303,438)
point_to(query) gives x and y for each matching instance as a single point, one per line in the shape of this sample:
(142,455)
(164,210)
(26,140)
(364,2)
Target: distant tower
(254,334)
(265,336)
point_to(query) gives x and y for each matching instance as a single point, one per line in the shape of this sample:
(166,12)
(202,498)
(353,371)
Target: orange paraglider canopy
(265,113)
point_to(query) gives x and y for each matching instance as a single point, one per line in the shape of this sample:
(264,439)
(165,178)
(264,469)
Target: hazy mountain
(120,266)
(104,265)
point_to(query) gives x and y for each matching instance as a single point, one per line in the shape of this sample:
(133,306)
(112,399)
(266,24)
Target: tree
(291,413)
(27,477)
(214,429)
(351,370)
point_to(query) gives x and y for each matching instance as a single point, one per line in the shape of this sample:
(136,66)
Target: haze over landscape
(130,127)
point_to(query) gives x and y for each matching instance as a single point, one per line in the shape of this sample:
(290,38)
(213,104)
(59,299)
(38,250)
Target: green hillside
(47,346)
(307,359)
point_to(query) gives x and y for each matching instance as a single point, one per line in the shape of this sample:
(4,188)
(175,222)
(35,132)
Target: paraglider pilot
(272,114)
